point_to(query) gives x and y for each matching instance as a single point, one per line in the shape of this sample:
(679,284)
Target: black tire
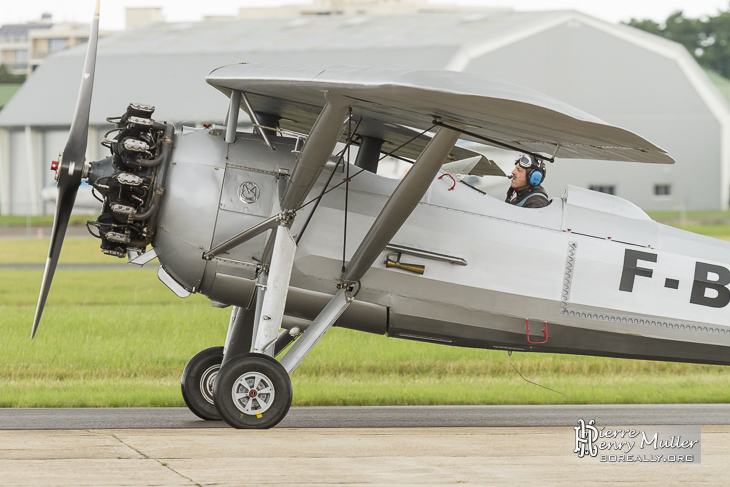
(246,376)
(197,383)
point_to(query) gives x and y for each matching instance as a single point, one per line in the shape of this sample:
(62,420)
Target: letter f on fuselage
(631,268)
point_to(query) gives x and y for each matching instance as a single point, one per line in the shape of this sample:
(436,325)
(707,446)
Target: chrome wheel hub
(253,393)
(207,380)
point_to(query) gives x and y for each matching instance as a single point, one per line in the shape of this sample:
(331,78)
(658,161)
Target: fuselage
(605,278)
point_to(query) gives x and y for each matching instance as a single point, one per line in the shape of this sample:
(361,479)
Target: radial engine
(131,181)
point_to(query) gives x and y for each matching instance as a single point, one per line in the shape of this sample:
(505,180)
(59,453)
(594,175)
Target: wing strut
(232,118)
(273,280)
(401,203)
(316,151)
(255,119)
(396,211)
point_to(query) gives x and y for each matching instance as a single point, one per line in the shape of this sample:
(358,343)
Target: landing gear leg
(254,391)
(200,373)
(240,331)
(316,330)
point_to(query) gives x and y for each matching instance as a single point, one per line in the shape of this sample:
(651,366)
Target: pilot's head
(528,171)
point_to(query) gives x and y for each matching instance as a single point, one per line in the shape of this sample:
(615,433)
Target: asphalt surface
(377,417)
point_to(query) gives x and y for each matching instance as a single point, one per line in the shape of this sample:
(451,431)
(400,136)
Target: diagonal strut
(401,203)
(396,211)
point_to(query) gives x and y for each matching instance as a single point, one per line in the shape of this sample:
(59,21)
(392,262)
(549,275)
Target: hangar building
(620,74)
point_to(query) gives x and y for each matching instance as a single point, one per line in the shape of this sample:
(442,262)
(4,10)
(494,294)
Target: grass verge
(74,251)
(117,337)
(41,220)
(93,351)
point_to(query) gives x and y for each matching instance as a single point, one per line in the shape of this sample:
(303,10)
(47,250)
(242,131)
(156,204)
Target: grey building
(624,76)
(15,46)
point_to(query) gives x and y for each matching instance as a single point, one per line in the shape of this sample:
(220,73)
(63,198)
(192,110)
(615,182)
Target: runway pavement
(376,417)
(378,446)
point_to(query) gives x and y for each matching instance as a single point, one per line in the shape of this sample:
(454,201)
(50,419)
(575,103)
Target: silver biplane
(297,239)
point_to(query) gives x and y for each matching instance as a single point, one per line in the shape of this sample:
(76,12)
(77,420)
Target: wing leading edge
(389,101)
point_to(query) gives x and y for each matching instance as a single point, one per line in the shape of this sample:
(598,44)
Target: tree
(7,77)
(707,39)
(715,44)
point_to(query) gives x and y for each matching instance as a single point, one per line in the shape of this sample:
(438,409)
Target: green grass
(42,220)
(711,223)
(721,231)
(108,337)
(119,338)
(75,250)
(7,90)
(707,216)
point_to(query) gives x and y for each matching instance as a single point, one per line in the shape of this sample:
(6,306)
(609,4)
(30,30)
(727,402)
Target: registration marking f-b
(706,276)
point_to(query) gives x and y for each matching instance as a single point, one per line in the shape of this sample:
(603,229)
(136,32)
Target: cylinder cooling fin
(130,181)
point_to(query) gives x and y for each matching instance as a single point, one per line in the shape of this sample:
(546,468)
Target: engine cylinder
(130,182)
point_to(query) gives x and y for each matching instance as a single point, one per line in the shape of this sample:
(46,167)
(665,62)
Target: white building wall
(630,86)
(597,67)
(34,154)
(52,144)
(5,193)
(19,175)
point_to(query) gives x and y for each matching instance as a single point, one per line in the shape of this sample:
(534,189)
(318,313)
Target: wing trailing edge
(393,103)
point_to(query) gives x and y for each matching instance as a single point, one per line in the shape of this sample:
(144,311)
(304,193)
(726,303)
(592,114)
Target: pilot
(525,190)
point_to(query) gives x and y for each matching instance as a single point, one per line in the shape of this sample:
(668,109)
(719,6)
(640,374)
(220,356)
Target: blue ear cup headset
(535,169)
(534,177)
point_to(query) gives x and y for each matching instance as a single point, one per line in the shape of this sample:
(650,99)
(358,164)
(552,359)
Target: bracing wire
(509,354)
(367,167)
(319,198)
(340,157)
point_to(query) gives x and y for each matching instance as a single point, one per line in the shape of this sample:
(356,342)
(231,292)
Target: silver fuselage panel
(606,278)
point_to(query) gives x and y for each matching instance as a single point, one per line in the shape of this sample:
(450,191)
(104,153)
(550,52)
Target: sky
(112,11)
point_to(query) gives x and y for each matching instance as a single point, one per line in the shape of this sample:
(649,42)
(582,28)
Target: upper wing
(388,101)
(407,143)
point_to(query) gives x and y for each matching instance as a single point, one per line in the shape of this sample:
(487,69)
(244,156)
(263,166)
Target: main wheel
(197,382)
(253,391)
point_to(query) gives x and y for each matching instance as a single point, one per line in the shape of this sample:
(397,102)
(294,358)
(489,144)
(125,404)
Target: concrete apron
(284,456)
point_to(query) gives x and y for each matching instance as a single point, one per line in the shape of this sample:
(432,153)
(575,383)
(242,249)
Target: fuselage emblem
(249,192)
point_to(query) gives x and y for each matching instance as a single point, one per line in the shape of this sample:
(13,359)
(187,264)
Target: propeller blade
(70,169)
(75,149)
(64,206)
